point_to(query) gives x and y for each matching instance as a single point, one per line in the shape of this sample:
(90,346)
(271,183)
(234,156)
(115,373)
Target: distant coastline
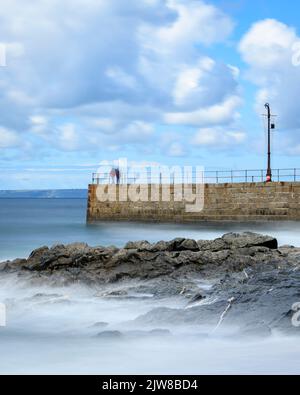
(44,194)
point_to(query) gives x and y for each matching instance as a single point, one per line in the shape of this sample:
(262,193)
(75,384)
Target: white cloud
(69,139)
(121,78)
(103,125)
(89,74)
(92,134)
(219,138)
(268,48)
(173,54)
(176,149)
(267,43)
(195,24)
(188,84)
(223,113)
(8,138)
(39,124)
(137,131)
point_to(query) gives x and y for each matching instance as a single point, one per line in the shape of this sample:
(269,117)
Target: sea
(53,331)
(26,224)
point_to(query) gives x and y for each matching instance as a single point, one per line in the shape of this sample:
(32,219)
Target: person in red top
(112,175)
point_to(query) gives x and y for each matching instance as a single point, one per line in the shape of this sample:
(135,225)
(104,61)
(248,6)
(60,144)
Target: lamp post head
(267,106)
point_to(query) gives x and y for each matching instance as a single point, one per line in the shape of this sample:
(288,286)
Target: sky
(172,82)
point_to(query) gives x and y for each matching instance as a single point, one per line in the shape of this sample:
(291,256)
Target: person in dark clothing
(117,172)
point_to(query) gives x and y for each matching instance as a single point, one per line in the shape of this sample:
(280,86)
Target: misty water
(54,330)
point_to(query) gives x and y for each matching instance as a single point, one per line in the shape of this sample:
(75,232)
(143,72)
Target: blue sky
(156,81)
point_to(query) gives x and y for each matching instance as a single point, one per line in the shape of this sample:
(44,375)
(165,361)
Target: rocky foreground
(243,280)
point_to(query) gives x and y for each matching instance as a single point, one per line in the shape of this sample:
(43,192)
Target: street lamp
(270,126)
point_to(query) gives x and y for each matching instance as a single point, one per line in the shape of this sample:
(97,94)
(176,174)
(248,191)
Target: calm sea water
(55,334)
(26,224)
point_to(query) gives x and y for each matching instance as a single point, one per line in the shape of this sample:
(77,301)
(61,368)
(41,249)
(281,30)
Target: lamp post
(270,126)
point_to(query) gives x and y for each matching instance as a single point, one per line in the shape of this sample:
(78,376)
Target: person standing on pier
(117,172)
(112,175)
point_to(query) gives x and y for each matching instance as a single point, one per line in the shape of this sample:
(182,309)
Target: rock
(76,248)
(100,325)
(189,245)
(45,296)
(158,247)
(110,335)
(160,332)
(38,253)
(174,245)
(138,245)
(248,239)
(114,294)
(13,266)
(183,245)
(137,334)
(197,298)
(256,330)
(263,280)
(145,261)
(212,245)
(161,316)
(150,333)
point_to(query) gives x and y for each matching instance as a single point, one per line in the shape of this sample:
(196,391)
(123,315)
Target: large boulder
(249,239)
(181,244)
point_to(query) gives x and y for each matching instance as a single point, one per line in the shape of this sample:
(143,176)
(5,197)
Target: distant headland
(44,194)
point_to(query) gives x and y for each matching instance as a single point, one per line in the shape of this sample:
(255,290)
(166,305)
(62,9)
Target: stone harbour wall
(222,202)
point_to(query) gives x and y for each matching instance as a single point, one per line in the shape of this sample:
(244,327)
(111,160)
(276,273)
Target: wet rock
(159,332)
(256,330)
(100,325)
(161,316)
(212,245)
(137,334)
(110,335)
(249,239)
(149,333)
(144,261)
(158,247)
(180,244)
(38,253)
(188,245)
(45,296)
(263,280)
(13,266)
(114,294)
(138,245)
(195,299)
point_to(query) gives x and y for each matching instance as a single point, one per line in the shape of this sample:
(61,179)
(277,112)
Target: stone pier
(222,202)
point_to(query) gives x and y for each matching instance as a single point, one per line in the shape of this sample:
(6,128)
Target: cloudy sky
(164,81)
